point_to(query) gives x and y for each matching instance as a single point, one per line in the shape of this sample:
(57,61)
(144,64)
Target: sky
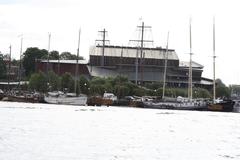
(34,20)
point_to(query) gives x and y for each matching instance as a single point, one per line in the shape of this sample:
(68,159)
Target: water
(51,132)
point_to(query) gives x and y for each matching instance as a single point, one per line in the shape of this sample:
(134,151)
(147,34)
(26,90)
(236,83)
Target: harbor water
(58,132)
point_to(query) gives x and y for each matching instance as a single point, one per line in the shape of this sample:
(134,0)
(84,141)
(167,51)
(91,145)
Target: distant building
(63,66)
(125,61)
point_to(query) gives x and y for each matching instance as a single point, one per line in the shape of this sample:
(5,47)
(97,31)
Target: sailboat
(18,95)
(225,105)
(59,97)
(179,103)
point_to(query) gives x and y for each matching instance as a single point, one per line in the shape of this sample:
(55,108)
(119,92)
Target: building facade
(146,65)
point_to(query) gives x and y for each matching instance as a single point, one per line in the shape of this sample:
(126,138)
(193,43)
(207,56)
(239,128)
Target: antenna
(165,67)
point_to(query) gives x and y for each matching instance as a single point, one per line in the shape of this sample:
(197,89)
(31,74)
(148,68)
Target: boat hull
(176,105)
(225,106)
(82,101)
(22,99)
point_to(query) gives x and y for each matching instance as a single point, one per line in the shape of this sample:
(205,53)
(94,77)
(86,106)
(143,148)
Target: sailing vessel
(179,103)
(65,98)
(59,97)
(224,105)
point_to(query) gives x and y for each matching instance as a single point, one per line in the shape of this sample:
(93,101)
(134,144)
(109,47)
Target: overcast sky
(35,19)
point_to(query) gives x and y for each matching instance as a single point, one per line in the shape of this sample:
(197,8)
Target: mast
(76,71)
(121,62)
(20,64)
(49,40)
(165,67)
(142,41)
(136,68)
(103,45)
(214,57)
(9,66)
(190,65)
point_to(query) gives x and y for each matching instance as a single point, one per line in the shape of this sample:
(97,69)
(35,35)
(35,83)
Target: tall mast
(103,45)
(190,64)
(20,63)
(76,71)
(165,67)
(142,41)
(136,68)
(141,53)
(49,40)
(9,66)
(214,57)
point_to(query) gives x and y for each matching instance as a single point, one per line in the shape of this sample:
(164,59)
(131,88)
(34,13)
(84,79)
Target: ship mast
(20,63)
(9,66)
(103,45)
(190,64)
(142,28)
(49,40)
(76,71)
(165,68)
(214,57)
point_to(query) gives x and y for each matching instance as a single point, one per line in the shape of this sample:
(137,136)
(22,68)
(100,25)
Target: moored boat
(1,94)
(222,105)
(179,103)
(67,99)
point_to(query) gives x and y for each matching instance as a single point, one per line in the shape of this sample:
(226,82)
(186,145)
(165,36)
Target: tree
(38,82)
(67,82)
(54,81)
(29,58)
(221,89)
(54,55)
(3,67)
(68,56)
(84,85)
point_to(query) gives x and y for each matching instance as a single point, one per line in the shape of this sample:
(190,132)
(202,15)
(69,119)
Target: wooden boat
(222,106)
(1,94)
(24,97)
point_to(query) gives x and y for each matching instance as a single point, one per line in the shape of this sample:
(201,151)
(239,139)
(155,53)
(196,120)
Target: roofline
(129,47)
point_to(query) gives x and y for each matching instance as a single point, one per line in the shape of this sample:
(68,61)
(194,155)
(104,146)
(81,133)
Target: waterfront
(58,132)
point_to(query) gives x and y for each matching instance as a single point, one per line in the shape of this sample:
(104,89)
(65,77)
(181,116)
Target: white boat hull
(82,101)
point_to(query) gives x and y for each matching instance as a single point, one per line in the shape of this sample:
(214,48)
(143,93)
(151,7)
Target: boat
(1,94)
(108,99)
(65,98)
(223,105)
(59,97)
(178,103)
(23,96)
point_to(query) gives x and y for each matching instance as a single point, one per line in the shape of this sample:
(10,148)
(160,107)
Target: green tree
(54,81)
(221,89)
(38,82)
(29,58)
(3,68)
(54,55)
(84,85)
(67,82)
(68,56)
